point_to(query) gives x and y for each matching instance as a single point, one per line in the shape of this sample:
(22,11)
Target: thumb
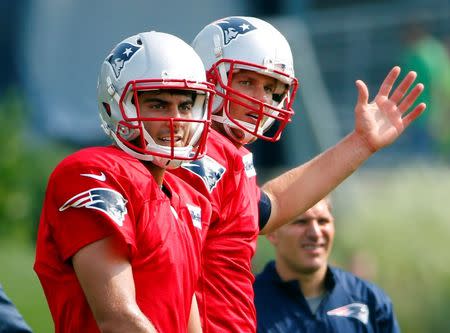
(363,92)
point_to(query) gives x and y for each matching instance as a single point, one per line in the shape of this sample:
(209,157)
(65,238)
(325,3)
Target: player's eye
(245,83)
(186,107)
(269,89)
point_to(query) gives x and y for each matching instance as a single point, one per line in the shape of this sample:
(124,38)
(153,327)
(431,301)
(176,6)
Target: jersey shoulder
(100,162)
(101,157)
(359,287)
(241,158)
(221,149)
(101,169)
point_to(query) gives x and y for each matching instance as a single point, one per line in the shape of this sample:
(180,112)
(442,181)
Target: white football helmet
(153,61)
(238,42)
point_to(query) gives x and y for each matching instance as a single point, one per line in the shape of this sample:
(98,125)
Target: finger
(363,92)
(403,87)
(416,112)
(388,82)
(411,98)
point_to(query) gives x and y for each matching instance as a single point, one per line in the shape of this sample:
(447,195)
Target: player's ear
(272,237)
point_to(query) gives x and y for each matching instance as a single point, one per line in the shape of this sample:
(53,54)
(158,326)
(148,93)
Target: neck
(311,283)
(156,171)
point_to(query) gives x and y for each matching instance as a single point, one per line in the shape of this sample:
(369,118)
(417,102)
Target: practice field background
(392,216)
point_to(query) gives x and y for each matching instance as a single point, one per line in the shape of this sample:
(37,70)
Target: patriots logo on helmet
(233,27)
(208,169)
(108,201)
(120,55)
(358,311)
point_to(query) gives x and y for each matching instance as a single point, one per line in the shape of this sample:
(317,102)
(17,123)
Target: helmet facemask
(277,114)
(131,133)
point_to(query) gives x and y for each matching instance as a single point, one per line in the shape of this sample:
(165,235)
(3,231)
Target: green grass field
(22,285)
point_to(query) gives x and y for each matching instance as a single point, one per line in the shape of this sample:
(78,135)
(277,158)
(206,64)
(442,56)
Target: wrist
(360,143)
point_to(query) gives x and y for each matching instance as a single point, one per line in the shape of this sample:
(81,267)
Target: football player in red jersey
(250,63)
(119,240)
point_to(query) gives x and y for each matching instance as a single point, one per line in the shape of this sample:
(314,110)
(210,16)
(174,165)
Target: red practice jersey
(227,176)
(101,191)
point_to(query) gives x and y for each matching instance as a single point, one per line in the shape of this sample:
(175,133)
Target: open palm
(381,121)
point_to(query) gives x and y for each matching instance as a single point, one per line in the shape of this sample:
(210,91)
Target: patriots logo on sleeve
(358,311)
(120,55)
(208,169)
(110,202)
(234,27)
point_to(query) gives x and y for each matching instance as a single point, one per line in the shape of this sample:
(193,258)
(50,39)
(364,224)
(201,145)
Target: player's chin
(310,268)
(179,142)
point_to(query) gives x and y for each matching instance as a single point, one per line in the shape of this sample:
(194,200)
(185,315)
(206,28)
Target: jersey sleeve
(86,204)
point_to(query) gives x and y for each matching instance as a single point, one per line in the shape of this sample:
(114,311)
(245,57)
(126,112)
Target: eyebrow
(249,76)
(153,99)
(150,99)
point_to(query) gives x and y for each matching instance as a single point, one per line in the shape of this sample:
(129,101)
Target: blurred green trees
(401,217)
(25,164)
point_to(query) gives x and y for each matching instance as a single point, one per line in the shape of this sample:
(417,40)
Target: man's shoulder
(267,275)
(97,156)
(220,147)
(222,150)
(109,158)
(101,167)
(356,285)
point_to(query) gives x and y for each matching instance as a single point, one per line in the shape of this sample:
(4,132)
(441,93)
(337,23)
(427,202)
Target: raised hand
(382,121)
